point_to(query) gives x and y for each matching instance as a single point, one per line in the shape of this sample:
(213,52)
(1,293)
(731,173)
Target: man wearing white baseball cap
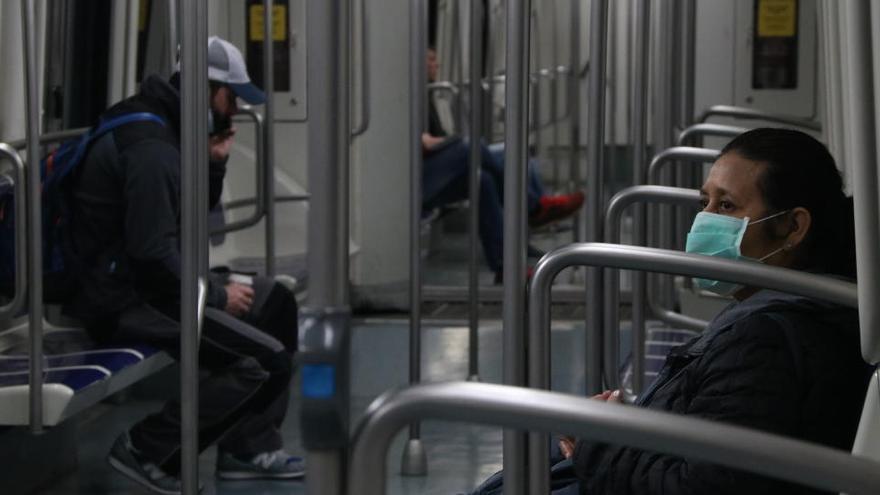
(125,246)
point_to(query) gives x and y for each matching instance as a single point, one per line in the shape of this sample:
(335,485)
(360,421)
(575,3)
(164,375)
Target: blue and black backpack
(54,168)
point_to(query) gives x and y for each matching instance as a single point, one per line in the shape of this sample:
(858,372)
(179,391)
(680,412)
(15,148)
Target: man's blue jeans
(445,180)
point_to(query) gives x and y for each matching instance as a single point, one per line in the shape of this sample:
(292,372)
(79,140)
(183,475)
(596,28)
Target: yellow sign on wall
(279,23)
(777,18)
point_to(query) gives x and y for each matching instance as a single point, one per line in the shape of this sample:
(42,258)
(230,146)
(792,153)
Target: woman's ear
(801,221)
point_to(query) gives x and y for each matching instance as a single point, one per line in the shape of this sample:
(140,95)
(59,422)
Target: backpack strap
(104,127)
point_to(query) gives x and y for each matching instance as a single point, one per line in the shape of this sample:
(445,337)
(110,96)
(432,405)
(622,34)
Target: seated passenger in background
(445,180)
(780,363)
(125,244)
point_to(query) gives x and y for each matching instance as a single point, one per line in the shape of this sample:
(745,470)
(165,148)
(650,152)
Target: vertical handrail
(515,158)
(413,457)
(20,194)
(861,104)
(194,156)
(574,102)
(641,44)
(34,216)
(324,335)
(365,72)
(172,35)
(616,206)
(269,135)
(595,196)
(476,97)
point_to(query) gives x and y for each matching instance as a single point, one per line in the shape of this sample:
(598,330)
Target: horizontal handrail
(703,130)
(283,198)
(752,114)
(51,138)
(613,215)
(678,153)
(11,308)
(550,412)
(659,261)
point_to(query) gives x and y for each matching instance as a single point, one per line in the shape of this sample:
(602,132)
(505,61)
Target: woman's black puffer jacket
(775,362)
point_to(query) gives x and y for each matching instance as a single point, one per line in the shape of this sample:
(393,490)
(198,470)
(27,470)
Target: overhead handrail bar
(551,412)
(34,215)
(365,72)
(476,107)
(692,135)
(19,185)
(260,170)
(613,215)
(193,242)
(753,114)
(516,121)
(650,260)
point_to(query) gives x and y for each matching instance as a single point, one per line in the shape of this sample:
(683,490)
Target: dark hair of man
(800,172)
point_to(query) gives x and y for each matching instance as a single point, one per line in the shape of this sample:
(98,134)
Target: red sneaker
(553,208)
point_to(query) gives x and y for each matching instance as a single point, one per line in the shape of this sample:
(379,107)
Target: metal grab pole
(574,102)
(269,134)
(642,30)
(689,437)
(194,160)
(365,72)
(259,202)
(324,332)
(34,216)
(171,33)
(616,206)
(414,462)
(20,191)
(595,196)
(861,102)
(476,97)
(516,124)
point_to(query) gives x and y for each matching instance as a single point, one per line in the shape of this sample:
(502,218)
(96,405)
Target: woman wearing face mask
(775,362)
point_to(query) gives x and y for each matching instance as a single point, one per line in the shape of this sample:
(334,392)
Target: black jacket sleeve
(152,213)
(216,174)
(746,377)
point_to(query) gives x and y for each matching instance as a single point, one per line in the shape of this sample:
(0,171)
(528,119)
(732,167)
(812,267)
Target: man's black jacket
(123,233)
(778,363)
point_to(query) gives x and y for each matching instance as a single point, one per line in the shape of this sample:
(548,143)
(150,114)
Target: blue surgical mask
(721,235)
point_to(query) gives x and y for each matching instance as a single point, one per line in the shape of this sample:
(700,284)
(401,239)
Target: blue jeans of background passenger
(534,187)
(445,180)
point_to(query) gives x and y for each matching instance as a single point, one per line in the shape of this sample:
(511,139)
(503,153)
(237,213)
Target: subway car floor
(459,455)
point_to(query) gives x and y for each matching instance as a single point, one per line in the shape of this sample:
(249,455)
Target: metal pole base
(415,461)
(474,378)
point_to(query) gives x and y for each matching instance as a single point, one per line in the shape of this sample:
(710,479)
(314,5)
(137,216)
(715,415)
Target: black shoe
(126,459)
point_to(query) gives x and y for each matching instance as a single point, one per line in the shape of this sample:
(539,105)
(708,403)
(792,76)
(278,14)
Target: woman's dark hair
(800,172)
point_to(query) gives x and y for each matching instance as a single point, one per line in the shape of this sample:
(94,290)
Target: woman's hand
(566,446)
(609,396)
(429,141)
(239,298)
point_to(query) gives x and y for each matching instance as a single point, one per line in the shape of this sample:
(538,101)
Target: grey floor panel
(459,455)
